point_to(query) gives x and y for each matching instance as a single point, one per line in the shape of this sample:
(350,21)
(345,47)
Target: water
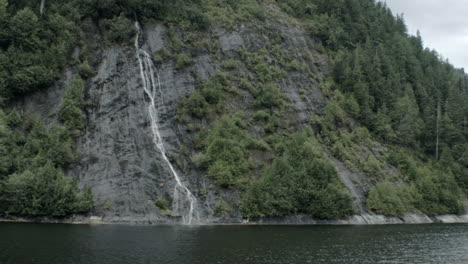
(152,86)
(114,244)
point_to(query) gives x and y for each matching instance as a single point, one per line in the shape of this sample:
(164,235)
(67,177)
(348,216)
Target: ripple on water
(62,244)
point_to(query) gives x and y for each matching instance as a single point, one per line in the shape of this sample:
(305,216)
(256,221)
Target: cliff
(118,154)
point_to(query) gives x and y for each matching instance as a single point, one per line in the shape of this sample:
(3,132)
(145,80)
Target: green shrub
(351,105)
(438,194)
(261,115)
(120,29)
(193,39)
(372,167)
(221,208)
(71,112)
(436,191)
(297,66)
(45,144)
(213,88)
(33,50)
(13,119)
(341,152)
(402,161)
(255,144)
(195,105)
(299,181)
(162,204)
(183,60)
(259,64)
(161,55)
(85,70)
(360,134)
(255,10)
(268,96)
(106,205)
(226,153)
(333,115)
(199,103)
(230,64)
(268,73)
(85,201)
(245,84)
(45,192)
(389,199)
(197,17)
(174,43)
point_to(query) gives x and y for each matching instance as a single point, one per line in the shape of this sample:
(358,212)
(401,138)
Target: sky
(443,25)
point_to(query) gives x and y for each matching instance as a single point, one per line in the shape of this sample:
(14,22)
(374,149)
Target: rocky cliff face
(118,158)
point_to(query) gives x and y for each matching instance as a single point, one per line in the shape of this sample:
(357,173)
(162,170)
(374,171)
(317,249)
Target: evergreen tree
(71,112)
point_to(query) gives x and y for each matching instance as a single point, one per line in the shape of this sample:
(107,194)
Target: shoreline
(365,219)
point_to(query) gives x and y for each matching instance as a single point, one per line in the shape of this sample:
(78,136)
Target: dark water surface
(114,244)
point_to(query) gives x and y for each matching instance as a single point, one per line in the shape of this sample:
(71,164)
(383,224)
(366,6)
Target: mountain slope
(265,109)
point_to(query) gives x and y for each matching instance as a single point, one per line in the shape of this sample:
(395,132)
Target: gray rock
(44,104)
(230,40)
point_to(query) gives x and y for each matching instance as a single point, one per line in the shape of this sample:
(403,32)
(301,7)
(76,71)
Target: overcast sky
(443,25)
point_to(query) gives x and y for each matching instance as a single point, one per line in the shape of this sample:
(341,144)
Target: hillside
(223,111)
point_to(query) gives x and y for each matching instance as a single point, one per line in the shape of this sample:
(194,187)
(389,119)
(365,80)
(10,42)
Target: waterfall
(41,8)
(152,85)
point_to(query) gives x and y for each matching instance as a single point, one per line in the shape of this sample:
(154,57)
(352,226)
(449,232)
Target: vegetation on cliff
(382,86)
(402,94)
(406,95)
(32,182)
(300,180)
(34,49)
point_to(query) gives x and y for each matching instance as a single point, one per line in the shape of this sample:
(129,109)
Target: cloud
(443,25)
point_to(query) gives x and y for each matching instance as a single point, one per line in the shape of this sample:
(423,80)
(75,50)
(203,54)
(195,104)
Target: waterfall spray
(152,85)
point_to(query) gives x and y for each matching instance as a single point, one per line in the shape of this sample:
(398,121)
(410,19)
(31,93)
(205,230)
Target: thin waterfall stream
(41,8)
(152,85)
